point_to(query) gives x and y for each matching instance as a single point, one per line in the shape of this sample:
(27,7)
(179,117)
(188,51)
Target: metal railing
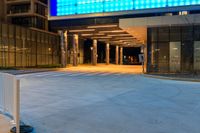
(10,98)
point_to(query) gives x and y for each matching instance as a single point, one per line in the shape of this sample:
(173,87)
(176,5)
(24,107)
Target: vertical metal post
(17,100)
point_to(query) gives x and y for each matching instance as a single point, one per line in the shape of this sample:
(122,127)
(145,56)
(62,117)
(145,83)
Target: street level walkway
(126,69)
(76,101)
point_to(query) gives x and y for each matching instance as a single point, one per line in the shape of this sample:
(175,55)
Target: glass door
(197,55)
(175,56)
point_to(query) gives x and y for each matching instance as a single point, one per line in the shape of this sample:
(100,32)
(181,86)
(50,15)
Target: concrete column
(145,58)
(75,50)
(66,47)
(94,53)
(107,54)
(117,55)
(121,56)
(63,52)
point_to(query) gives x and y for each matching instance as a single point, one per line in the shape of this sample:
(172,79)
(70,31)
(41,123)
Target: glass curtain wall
(23,47)
(174,49)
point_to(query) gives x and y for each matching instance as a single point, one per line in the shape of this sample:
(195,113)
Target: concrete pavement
(100,102)
(126,69)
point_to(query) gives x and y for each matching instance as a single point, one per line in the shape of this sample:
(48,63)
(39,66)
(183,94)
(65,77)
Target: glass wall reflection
(174,49)
(22,47)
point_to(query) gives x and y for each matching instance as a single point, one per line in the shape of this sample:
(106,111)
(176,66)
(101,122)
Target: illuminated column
(117,55)
(94,53)
(66,47)
(75,50)
(107,54)
(145,58)
(121,56)
(62,46)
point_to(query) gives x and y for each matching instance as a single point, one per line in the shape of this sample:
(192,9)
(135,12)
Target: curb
(171,78)
(21,72)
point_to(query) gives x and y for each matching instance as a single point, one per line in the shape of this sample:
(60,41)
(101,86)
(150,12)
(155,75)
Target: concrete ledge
(172,78)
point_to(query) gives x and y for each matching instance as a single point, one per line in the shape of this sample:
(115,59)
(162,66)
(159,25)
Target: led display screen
(78,7)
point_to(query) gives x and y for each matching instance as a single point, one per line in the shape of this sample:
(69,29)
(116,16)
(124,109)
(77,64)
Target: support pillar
(145,58)
(107,54)
(121,56)
(94,53)
(66,47)
(75,50)
(117,55)
(62,46)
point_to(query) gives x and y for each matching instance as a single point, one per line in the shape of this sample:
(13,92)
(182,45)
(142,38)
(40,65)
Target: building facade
(167,30)
(174,48)
(24,38)
(24,47)
(28,13)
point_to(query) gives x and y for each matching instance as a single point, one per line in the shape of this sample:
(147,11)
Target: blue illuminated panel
(145,4)
(89,6)
(75,7)
(118,5)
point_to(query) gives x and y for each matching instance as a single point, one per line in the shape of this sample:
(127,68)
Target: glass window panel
(187,33)
(23,32)
(18,32)
(28,34)
(11,31)
(175,34)
(33,35)
(163,34)
(0,29)
(154,34)
(197,33)
(4,30)
(163,57)
(186,57)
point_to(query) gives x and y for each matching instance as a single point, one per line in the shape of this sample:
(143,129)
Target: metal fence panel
(9,97)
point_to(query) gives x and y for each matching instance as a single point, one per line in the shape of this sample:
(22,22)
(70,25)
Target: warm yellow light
(112,31)
(119,35)
(102,26)
(86,34)
(82,30)
(101,37)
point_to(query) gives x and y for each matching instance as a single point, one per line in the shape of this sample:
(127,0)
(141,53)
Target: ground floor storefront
(174,49)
